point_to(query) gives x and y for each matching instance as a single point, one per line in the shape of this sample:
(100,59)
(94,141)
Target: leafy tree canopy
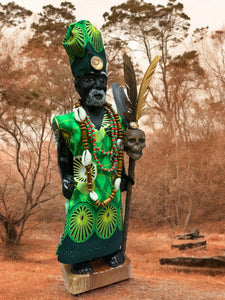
(141,21)
(52,23)
(12,14)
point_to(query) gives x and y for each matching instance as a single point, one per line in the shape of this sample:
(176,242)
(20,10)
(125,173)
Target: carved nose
(137,147)
(98,84)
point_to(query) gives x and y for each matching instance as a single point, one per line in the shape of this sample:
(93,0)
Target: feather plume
(143,93)
(131,107)
(120,98)
(131,85)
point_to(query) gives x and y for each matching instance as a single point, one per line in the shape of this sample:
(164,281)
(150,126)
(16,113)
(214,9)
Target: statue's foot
(82,268)
(115,259)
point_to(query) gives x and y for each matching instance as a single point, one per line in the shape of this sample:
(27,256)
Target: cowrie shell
(93,196)
(86,158)
(120,144)
(79,114)
(117,183)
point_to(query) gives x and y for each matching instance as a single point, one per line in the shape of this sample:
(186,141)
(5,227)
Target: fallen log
(206,262)
(189,245)
(190,236)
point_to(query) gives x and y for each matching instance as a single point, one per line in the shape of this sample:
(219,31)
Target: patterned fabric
(90,231)
(81,42)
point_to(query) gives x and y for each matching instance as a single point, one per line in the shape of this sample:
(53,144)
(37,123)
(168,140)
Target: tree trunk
(10,233)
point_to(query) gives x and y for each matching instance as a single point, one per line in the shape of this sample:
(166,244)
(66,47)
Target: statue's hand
(124,181)
(68,186)
(134,142)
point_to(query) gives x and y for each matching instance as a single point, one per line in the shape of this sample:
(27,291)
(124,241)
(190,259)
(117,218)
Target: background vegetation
(180,179)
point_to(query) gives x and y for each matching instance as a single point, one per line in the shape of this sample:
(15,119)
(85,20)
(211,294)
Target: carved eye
(141,141)
(132,141)
(88,80)
(102,80)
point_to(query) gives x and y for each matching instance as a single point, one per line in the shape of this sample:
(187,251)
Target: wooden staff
(135,108)
(131,174)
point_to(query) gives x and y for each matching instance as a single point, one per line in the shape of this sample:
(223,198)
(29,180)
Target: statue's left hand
(134,142)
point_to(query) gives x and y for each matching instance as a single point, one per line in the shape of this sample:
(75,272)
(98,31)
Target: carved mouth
(98,96)
(135,154)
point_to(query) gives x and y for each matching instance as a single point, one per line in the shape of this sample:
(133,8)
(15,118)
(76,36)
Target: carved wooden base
(102,275)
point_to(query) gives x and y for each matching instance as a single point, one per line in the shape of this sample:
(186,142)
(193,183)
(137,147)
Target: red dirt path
(34,273)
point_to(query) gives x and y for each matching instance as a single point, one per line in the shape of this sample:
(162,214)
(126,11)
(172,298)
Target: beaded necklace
(88,130)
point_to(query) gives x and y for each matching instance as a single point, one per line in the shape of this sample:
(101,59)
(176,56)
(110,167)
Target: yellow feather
(143,93)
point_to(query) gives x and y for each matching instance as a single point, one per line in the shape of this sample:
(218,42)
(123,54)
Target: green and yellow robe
(90,231)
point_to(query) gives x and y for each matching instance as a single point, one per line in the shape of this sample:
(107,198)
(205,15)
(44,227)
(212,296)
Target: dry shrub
(28,182)
(180,184)
(54,210)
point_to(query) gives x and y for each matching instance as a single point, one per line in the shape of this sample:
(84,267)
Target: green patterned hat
(84,46)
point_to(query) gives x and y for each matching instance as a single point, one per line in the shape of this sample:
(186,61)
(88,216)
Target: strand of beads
(119,134)
(87,130)
(80,116)
(114,150)
(120,138)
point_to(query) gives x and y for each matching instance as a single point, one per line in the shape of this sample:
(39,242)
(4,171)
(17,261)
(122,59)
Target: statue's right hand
(68,186)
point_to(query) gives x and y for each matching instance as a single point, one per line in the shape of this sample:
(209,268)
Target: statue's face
(134,142)
(92,89)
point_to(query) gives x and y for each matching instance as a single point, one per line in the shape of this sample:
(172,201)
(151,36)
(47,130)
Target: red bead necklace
(114,134)
(88,130)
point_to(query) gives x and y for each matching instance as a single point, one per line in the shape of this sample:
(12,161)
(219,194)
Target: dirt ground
(33,272)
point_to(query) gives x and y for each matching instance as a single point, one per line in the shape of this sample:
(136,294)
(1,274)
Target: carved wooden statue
(91,142)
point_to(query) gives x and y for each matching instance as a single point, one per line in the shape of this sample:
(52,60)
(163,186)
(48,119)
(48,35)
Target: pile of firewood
(195,235)
(217,262)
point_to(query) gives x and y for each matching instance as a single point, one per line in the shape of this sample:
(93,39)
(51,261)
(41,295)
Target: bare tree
(27,167)
(32,89)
